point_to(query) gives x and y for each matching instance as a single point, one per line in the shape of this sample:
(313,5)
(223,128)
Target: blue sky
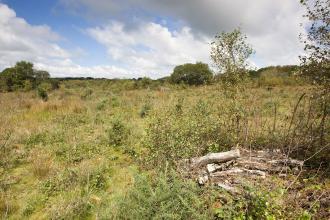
(124,39)
(70,27)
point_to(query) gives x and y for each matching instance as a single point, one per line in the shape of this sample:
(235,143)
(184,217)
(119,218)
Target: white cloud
(150,48)
(65,68)
(22,41)
(136,45)
(273,26)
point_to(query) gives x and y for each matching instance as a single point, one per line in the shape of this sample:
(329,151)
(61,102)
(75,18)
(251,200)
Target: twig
(317,152)
(318,199)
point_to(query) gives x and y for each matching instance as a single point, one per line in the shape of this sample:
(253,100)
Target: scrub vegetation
(111,149)
(98,148)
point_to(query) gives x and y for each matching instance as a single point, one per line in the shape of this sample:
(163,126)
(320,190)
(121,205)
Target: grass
(77,155)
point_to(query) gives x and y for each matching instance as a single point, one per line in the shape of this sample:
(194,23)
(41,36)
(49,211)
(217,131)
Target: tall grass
(77,149)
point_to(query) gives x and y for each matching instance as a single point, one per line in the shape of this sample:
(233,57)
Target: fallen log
(233,171)
(252,164)
(256,172)
(215,158)
(236,171)
(211,168)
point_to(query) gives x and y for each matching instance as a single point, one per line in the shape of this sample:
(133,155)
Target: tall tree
(316,64)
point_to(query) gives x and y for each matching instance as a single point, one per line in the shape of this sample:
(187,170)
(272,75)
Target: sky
(137,38)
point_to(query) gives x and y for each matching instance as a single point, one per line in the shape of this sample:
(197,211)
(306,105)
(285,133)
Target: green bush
(102,105)
(118,132)
(177,134)
(253,204)
(42,93)
(165,197)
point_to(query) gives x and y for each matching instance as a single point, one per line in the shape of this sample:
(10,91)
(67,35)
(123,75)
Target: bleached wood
(215,158)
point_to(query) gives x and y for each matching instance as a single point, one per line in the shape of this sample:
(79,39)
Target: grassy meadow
(105,149)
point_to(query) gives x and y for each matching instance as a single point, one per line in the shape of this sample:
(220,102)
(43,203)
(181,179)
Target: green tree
(192,74)
(229,52)
(6,79)
(41,74)
(316,64)
(23,71)
(23,76)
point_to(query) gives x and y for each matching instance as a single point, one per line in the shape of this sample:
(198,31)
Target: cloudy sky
(134,38)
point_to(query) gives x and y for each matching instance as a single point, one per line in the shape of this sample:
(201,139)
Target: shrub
(42,93)
(27,85)
(74,205)
(253,204)
(144,83)
(308,134)
(118,132)
(86,94)
(146,108)
(55,84)
(102,105)
(166,197)
(192,74)
(41,164)
(115,102)
(86,175)
(33,203)
(176,135)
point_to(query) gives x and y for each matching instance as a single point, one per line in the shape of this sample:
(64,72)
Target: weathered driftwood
(215,158)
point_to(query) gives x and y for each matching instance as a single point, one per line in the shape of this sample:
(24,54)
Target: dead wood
(230,170)
(215,158)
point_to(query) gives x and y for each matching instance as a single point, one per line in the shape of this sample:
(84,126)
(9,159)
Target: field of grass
(81,154)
